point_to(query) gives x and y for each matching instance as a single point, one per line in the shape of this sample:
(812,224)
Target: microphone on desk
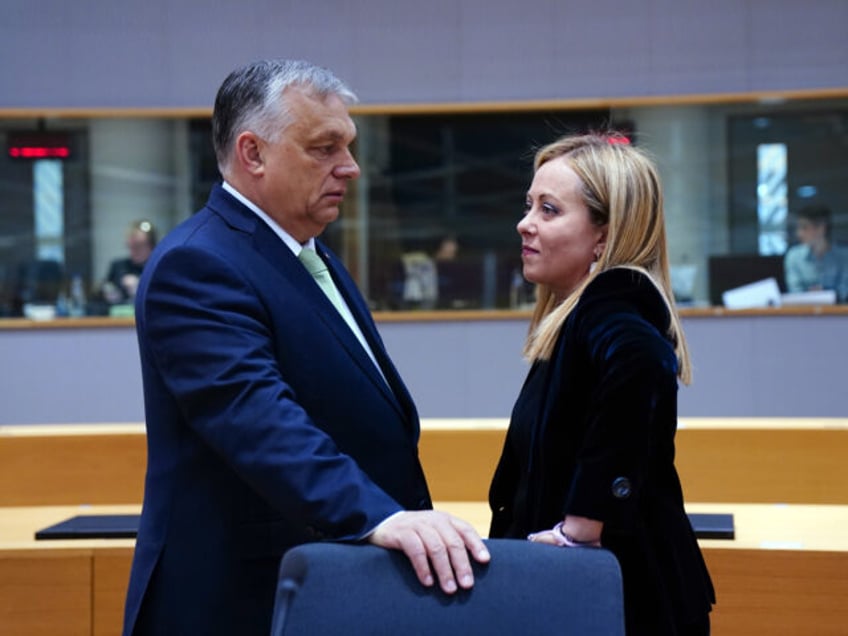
(292,574)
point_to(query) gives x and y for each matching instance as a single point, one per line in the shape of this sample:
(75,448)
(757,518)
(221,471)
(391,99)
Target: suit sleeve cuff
(368,534)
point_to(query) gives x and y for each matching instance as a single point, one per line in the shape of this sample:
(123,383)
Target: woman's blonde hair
(622,190)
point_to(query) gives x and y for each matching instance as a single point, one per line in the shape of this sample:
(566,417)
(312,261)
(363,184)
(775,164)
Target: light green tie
(315,266)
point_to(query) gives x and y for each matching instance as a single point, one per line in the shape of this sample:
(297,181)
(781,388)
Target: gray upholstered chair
(528,588)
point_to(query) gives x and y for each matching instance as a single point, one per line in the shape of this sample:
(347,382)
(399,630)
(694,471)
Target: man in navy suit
(274,417)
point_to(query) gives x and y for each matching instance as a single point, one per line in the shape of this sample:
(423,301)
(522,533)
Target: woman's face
(558,239)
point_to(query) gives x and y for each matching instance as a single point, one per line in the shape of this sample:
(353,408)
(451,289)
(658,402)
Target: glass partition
(431,222)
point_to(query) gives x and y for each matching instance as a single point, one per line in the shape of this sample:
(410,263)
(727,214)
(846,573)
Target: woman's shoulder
(621,283)
(625,290)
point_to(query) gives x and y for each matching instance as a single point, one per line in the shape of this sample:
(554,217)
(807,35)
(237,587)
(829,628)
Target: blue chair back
(527,589)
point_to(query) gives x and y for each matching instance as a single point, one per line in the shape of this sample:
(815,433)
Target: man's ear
(249,153)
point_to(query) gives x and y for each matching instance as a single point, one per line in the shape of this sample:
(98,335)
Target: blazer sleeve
(208,335)
(635,371)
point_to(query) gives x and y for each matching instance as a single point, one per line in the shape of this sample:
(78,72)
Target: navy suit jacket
(268,425)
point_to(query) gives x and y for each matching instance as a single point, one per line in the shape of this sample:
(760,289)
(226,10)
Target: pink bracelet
(565,539)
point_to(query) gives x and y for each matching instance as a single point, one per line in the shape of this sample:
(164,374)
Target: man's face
(808,232)
(306,171)
(138,244)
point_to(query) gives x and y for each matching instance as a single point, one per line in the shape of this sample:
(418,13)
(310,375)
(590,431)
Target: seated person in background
(420,289)
(447,250)
(122,280)
(817,262)
(421,274)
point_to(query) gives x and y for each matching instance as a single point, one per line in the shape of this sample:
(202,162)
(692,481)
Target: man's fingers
(414,549)
(440,557)
(460,563)
(472,540)
(434,542)
(402,533)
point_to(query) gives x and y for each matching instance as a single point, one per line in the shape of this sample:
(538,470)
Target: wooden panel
(779,592)
(72,469)
(763,465)
(458,463)
(111,576)
(725,459)
(779,464)
(45,593)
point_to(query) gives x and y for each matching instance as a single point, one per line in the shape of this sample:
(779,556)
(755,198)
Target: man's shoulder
(120,263)
(796,253)
(840,250)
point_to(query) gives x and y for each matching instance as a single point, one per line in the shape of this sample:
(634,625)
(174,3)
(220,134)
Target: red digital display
(39,152)
(38,145)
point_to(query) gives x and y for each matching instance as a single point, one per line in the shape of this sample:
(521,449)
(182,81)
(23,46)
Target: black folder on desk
(705,525)
(711,525)
(92,527)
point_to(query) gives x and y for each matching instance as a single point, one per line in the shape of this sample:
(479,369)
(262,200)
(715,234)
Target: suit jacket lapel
(272,249)
(395,391)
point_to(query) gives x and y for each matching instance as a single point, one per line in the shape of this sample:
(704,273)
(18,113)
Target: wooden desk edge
(454,424)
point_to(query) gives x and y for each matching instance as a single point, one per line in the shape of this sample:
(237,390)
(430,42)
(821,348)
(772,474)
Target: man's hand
(429,537)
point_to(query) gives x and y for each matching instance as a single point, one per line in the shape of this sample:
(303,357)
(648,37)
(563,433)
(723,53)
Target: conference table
(785,572)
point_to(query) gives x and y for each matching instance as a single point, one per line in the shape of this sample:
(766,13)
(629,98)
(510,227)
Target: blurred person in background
(817,262)
(124,273)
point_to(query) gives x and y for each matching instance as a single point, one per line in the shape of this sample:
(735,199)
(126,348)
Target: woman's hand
(573,531)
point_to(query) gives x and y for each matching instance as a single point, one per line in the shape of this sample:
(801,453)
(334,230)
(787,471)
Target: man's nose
(349,169)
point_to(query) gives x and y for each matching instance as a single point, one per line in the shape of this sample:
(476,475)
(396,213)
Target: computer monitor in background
(729,271)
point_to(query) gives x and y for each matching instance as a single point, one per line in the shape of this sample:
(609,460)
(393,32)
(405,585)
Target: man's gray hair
(251,98)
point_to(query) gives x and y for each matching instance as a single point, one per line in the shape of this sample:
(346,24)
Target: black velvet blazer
(598,441)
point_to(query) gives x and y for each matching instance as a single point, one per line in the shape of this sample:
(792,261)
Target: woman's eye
(547,208)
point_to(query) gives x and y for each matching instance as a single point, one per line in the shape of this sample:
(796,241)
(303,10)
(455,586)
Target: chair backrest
(40,280)
(527,589)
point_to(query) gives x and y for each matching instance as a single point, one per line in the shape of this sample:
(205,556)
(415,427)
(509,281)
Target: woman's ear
(601,244)
(248,152)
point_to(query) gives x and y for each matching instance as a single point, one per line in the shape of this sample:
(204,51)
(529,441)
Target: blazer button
(621,488)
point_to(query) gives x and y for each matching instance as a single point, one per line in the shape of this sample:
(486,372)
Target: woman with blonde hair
(589,456)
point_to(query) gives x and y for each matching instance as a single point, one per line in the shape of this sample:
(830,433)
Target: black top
(592,434)
(120,268)
(519,443)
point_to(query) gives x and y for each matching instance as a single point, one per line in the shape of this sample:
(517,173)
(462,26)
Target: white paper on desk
(817,297)
(762,293)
